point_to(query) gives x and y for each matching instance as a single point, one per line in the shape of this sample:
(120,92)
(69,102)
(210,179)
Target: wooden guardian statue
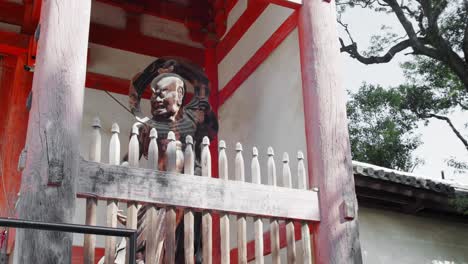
(169,80)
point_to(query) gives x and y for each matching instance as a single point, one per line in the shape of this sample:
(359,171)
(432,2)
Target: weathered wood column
(47,187)
(336,237)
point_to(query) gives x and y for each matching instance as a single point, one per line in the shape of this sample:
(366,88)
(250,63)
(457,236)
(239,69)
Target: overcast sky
(439,143)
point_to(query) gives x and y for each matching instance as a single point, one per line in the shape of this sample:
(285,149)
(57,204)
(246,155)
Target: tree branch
(352,50)
(465,37)
(455,130)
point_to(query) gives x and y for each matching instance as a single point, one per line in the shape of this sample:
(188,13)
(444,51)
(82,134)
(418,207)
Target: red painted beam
(253,11)
(138,43)
(11,13)
(13,43)
(231,4)
(259,57)
(267,243)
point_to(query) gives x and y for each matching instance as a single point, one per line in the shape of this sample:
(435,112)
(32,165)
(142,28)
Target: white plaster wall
(389,237)
(235,13)
(271,18)
(108,15)
(267,110)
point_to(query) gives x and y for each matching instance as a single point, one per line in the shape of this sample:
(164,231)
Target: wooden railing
(165,191)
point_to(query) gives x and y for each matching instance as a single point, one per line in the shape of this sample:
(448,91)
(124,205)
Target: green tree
(436,41)
(380,133)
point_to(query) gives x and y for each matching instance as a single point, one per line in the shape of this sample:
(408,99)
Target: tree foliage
(436,41)
(379,133)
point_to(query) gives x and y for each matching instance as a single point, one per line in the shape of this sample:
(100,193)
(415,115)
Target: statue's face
(167,97)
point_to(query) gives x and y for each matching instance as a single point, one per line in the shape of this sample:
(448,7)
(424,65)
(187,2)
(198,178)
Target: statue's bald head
(168,94)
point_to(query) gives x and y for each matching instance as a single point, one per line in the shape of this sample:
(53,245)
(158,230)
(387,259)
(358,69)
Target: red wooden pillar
(52,164)
(336,237)
(211,69)
(14,125)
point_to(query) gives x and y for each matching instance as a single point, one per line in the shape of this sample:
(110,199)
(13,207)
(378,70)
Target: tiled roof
(440,186)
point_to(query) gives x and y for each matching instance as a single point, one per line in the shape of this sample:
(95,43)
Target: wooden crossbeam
(127,40)
(11,13)
(164,9)
(13,43)
(105,181)
(142,44)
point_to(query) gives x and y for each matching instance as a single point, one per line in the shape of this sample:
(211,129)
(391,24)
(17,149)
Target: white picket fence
(169,190)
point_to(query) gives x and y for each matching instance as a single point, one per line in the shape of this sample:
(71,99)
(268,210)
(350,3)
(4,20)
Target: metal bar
(73,228)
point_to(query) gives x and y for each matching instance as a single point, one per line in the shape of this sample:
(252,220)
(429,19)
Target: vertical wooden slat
(133,161)
(189,168)
(152,252)
(290,239)
(111,212)
(224,218)
(91,203)
(305,232)
(239,173)
(274,226)
(256,178)
(207,232)
(170,241)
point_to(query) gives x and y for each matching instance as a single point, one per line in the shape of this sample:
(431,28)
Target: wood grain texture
(305,231)
(189,220)
(239,173)
(171,222)
(89,245)
(274,225)
(224,218)
(137,184)
(152,252)
(112,205)
(207,221)
(287,182)
(55,118)
(258,224)
(133,161)
(328,148)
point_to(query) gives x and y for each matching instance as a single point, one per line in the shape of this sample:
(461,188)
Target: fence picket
(224,218)
(111,212)
(153,237)
(170,240)
(274,226)
(239,173)
(305,232)
(256,178)
(207,232)
(291,241)
(91,203)
(133,161)
(189,168)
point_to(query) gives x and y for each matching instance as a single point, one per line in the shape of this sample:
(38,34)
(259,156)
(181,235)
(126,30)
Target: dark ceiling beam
(142,44)
(11,13)
(127,40)
(163,9)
